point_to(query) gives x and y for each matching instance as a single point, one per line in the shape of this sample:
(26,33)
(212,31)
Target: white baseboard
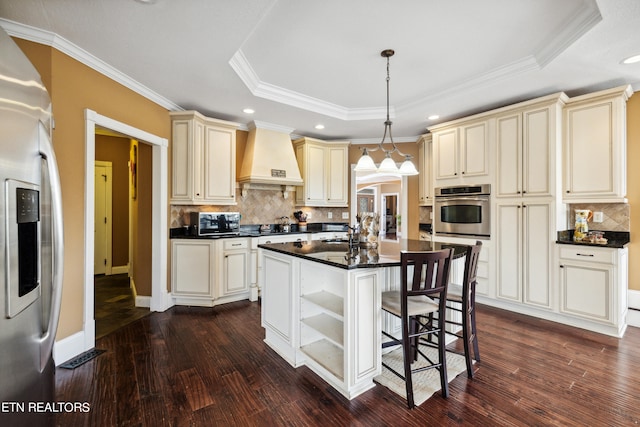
(142,301)
(69,347)
(634,299)
(120,269)
(633,318)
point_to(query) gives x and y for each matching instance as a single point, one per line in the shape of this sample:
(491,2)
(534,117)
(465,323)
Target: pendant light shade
(388,165)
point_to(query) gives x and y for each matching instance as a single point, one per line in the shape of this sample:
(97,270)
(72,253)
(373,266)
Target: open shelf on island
(328,326)
(327,355)
(328,301)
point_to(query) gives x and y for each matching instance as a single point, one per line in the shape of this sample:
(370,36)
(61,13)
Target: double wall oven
(463,211)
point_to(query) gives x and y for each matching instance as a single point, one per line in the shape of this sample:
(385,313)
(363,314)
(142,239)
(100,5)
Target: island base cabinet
(324,317)
(278,316)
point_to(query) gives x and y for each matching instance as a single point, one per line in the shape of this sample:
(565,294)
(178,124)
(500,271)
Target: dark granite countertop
(337,254)
(615,239)
(254,231)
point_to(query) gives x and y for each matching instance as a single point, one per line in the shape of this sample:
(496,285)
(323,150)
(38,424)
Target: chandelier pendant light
(388,165)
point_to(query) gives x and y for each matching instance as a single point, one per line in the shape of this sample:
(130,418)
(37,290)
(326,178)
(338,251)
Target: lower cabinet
(593,287)
(209,272)
(326,318)
(192,272)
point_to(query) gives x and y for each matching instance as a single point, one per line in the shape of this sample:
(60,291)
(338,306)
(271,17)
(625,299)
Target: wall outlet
(598,217)
(308,215)
(330,215)
(345,215)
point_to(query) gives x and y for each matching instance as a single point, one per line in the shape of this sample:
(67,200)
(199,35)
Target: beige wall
(633,187)
(73,88)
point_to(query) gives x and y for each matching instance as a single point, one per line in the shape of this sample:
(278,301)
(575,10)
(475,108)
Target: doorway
(159,299)
(389,216)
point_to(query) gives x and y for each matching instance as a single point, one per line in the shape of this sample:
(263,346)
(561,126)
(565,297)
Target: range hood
(269,159)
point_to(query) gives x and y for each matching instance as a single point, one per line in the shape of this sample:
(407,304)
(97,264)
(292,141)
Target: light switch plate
(597,217)
(345,215)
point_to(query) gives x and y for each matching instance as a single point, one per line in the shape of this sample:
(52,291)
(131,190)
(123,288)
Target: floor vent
(81,359)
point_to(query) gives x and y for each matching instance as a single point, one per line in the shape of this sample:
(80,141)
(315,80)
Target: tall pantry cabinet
(528,141)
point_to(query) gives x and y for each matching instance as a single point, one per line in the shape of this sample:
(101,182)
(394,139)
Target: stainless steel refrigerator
(31,247)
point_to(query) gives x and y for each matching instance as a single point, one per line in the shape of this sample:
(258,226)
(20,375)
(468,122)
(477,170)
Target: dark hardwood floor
(115,304)
(210,367)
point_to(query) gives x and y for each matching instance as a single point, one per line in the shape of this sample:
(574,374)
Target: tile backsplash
(615,216)
(261,207)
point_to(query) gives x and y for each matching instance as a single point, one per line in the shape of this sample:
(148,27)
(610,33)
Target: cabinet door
(424,166)
(589,150)
(277,297)
(509,148)
(315,181)
(235,273)
(446,153)
(337,182)
(181,161)
(537,155)
(474,143)
(509,247)
(536,256)
(219,165)
(586,290)
(199,162)
(192,268)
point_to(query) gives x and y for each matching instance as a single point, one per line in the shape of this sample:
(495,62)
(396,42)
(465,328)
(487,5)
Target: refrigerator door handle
(49,335)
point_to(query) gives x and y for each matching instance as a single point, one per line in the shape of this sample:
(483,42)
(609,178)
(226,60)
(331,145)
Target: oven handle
(462,198)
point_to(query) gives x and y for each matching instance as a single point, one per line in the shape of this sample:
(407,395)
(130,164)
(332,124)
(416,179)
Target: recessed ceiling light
(249,110)
(433,117)
(631,60)
(146,1)
(319,127)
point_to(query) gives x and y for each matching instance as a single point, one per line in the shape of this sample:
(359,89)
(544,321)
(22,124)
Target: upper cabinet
(425,167)
(461,151)
(595,147)
(324,167)
(527,147)
(203,160)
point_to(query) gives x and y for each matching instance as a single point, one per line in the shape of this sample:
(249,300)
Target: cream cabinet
(461,151)
(325,171)
(193,271)
(527,148)
(593,287)
(233,278)
(208,272)
(595,147)
(425,187)
(203,160)
(524,257)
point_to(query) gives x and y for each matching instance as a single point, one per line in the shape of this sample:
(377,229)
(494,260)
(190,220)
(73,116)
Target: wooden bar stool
(462,299)
(418,299)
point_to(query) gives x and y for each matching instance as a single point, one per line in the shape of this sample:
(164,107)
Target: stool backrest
(471,269)
(430,275)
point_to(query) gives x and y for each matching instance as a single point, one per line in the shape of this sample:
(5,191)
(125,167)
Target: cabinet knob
(568,191)
(462,172)
(524,192)
(561,266)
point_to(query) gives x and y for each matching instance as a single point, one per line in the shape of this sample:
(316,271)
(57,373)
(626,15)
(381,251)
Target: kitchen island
(321,305)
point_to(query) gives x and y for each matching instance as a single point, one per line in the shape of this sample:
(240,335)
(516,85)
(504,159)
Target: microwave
(215,223)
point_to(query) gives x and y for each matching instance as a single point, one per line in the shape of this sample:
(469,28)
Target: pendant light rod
(388,165)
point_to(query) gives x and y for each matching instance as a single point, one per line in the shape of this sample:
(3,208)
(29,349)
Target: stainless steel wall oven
(463,211)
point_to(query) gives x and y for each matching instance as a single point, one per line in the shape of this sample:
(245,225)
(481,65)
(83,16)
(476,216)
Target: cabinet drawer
(236,244)
(589,254)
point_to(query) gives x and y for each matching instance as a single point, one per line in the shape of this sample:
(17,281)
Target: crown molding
(269,126)
(242,67)
(48,38)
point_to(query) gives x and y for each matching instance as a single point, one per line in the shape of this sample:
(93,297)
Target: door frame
(160,300)
(108,215)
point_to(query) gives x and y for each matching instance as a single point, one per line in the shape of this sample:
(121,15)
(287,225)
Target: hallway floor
(114,304)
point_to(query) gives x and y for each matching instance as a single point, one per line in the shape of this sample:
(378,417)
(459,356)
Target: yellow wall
(633,187)
(73,87)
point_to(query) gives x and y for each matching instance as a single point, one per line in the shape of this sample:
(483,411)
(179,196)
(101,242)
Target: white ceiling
(298,63)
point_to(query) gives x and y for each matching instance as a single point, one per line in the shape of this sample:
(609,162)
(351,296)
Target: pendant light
(388,165)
